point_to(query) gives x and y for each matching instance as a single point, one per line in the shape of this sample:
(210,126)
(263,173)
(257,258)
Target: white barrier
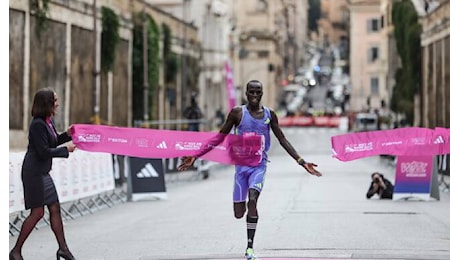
(81,175)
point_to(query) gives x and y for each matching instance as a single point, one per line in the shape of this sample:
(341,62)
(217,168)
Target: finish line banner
(413,141)
(153,143)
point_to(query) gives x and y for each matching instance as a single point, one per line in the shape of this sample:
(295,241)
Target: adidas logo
(147,172)
(258,185)
(162,145)
(439,140)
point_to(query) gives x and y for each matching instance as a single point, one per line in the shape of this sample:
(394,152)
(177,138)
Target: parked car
(365,122)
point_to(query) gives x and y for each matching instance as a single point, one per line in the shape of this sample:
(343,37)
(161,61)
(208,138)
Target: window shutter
(369,55)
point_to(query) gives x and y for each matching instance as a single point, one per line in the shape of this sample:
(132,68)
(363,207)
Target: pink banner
(413,141)
(152,143)
(442,139)
(230,87)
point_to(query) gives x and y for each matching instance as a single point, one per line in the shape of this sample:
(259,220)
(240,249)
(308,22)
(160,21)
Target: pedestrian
(39,189)
(248,181)
(219,118)
(380,186)
(193,113)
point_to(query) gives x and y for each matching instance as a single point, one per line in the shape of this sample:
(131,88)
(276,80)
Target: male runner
(253,118)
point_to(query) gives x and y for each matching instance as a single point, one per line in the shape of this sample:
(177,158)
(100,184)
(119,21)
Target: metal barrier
(82,206)
(89,205)
(179,123)
(444,171)
(73,209)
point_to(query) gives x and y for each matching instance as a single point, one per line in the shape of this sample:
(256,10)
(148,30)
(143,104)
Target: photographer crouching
(380,186)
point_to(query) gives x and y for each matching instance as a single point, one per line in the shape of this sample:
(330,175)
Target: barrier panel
(315,121)
(146,179)
(285,121)
(82,175)
(302,121)
(322,121)
(416,177)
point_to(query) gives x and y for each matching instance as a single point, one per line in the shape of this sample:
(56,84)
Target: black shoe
(64,254)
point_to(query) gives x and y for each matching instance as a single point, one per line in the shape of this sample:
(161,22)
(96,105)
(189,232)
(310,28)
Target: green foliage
(109,38)
(407,32)
(41,9)
(166,39)
(153,62)
(172,67)
(170,59)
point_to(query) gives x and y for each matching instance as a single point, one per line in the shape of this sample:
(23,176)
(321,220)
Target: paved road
(301,216)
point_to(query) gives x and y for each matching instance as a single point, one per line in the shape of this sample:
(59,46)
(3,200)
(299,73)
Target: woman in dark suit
(39,189)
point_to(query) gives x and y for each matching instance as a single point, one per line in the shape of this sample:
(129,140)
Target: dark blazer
(38,160)
(42,146)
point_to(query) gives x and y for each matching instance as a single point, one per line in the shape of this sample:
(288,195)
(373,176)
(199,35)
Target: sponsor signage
(414,178)
(146,179)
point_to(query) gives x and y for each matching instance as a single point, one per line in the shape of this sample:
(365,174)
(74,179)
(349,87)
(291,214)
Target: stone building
(333,24)
(213,22)
(267,43)
(368,56)
(65,56)
(434,107)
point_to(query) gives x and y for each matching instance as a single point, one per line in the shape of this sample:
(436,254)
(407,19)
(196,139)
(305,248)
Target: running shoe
(250,254)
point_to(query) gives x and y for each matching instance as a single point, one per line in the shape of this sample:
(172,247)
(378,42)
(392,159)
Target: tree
(407,33)
(153,61)
(109,38)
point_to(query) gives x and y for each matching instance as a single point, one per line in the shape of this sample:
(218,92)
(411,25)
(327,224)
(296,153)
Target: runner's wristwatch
(301,161)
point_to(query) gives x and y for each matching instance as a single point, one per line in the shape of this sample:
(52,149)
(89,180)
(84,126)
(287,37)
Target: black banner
(147,175)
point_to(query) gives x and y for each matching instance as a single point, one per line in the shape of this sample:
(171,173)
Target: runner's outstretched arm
(309,166)
(232,120)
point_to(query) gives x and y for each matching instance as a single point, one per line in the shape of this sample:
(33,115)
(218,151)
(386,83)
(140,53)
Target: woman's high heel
(64,254)
(12,257)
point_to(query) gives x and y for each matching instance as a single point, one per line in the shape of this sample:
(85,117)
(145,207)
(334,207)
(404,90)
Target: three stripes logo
(439,140)
(147,172)
(162,145)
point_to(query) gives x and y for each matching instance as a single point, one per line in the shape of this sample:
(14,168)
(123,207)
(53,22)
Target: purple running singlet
(247,177)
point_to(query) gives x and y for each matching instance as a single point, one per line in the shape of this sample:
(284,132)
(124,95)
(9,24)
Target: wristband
(301,161)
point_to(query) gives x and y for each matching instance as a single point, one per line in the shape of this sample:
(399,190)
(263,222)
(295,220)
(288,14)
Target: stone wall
(435,94)
(63,58)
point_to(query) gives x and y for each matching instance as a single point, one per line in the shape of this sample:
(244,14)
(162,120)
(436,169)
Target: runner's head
(254,92)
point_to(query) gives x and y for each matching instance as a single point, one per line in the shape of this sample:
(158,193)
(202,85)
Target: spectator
(193,112)
(219,118)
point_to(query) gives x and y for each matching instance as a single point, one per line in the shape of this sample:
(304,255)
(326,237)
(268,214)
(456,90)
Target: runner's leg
(240,191)
(256,181)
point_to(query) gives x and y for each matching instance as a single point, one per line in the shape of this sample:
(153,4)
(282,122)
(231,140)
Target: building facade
(368,57)
(212,19)
(434,107)
(333,24)
(66,56)
(268,41)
